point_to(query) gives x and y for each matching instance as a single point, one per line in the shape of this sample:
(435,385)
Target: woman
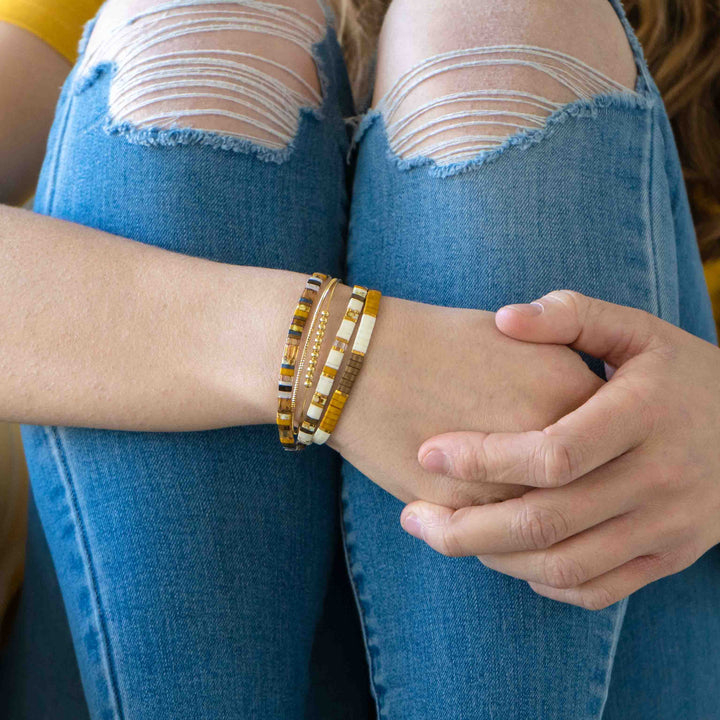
(197,569)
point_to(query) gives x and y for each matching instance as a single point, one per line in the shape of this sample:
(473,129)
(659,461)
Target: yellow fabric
(712,275)
(58,22)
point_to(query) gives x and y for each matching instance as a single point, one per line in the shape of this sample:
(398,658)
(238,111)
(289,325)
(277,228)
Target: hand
(628,484)
(433,369)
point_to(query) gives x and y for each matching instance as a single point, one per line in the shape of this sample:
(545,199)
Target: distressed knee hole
(239,68)
(454,105)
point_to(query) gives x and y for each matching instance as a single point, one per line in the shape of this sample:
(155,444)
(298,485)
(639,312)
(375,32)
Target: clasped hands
(626,487)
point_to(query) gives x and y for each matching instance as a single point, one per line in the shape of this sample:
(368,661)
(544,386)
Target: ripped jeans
(210,574)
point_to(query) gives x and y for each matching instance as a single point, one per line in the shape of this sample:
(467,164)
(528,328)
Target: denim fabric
(195,566)
(593,202)
(200,571)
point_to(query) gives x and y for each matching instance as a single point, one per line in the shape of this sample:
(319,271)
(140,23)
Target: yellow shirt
(58,22)
(712,275)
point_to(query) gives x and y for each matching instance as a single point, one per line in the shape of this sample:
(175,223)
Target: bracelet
(352,369)
(332,364)
(323,315)
(287,369)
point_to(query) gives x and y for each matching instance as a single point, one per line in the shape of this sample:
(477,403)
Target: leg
(195,566)
(559,178)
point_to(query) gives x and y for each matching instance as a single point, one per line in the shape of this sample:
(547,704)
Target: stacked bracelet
(322,314)
(352,369)
(332,364)
(290,352)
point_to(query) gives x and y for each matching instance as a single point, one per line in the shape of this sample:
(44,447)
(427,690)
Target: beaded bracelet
(323,315)
(287,369)
(352,369)
(332,364)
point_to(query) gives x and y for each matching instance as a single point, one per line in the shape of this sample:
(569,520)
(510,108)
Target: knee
(455,77)
(236,67)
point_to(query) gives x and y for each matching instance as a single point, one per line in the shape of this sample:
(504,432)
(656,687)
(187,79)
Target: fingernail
(436,461)
(411,524)
(529,309)
(609,371)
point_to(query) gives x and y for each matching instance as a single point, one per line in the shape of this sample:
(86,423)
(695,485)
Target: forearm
(101,331)
(31,74)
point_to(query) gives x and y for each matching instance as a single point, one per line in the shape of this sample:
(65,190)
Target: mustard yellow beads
(330,394)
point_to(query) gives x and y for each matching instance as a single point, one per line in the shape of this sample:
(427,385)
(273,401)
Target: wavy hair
(680,39)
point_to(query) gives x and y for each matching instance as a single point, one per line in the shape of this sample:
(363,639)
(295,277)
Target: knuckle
(450,542)
(665,477)
(562,571)
(554,464)
(571,299)
(677,560)
(575,303)
(536,528)
(470,463)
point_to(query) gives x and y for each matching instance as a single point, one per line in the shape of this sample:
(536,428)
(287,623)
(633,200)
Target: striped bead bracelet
(352,369)
(290,353)
(331,392)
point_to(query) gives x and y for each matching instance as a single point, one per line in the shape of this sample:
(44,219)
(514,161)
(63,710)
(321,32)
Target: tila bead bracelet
(290,353)
(352,368)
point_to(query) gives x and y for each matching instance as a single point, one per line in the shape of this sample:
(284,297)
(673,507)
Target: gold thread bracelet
(290,352)
(321,317)
(352,369)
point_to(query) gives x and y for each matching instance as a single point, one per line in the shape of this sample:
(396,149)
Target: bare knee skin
(578,48)
(240,68)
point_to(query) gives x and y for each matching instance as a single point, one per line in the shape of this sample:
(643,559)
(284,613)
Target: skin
(628,485)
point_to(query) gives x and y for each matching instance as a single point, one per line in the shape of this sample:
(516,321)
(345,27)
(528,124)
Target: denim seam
(651,244)
(356,581)
(49,199)
(644,83)
(174,136)
(53,435)
(619,620)
(596,689)
(524,139)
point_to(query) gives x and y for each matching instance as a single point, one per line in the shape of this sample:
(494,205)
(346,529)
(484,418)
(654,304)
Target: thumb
(613,333)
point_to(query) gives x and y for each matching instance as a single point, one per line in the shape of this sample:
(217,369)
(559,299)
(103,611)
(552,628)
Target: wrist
(382,365)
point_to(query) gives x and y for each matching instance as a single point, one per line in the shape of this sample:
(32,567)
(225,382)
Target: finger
(605,590)
(616,419)
(611,332)
(535,521)
(581,558)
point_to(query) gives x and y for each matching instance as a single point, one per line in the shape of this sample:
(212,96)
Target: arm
(108,332)
(111,333)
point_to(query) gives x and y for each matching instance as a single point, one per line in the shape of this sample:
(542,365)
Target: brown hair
(680,39)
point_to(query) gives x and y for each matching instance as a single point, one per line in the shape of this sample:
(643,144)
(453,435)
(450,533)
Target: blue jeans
(202,573)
